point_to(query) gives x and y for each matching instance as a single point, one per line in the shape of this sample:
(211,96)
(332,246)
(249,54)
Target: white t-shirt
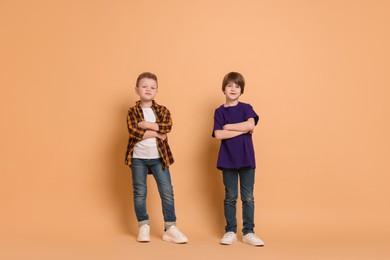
(147,148)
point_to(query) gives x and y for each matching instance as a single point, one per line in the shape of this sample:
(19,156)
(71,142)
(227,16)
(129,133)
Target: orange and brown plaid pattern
(164,121)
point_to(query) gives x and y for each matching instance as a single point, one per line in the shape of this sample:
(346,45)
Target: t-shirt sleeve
(218,122)
(250,113)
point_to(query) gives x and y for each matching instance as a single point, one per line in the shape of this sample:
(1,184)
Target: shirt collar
(154,104)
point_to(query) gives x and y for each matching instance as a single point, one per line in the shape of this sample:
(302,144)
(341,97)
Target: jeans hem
(169,224)
(143,222)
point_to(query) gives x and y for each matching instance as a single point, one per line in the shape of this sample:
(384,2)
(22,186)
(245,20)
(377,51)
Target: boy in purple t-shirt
(233,124)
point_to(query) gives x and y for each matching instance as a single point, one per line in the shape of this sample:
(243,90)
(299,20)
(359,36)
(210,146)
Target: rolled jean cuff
(143,222)
(167,225)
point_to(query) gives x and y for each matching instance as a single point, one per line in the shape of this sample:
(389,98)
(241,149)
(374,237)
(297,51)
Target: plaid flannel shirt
(164,122)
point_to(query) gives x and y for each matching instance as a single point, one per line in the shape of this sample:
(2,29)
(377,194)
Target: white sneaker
(252,239)
(229,238)
(143,233)
(173,234)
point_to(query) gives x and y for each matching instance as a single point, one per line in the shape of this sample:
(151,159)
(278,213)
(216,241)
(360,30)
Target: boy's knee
(247,199)
(231,199)
(167,194)
(140,193)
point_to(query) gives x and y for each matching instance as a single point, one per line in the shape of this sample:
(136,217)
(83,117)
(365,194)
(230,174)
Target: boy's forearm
(153,134)
(148,126)
(226,134)
(245,126)
(149,134)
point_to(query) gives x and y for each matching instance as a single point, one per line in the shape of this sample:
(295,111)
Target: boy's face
(232,91)
(146,89)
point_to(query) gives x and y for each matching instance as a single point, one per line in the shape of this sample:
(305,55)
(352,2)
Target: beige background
(317,73)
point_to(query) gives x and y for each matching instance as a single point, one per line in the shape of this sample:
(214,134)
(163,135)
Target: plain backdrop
(317,73)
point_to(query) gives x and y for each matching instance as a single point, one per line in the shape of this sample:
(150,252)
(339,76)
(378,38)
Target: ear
(136,90)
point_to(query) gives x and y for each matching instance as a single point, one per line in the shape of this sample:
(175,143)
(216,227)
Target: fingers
(162,136)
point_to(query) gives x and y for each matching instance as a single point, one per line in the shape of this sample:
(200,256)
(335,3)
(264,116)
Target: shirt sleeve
(132,125)
(218,122)
(250,113)
(165,121)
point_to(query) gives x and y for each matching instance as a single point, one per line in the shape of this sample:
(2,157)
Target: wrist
(141,125)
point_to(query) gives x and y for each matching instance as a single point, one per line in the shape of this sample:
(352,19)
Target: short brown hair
(234,77)
(147,75)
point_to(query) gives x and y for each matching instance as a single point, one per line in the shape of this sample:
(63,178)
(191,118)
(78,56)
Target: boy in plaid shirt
(148,152)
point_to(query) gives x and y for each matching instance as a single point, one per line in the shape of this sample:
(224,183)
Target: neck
(231,103)
(145,104)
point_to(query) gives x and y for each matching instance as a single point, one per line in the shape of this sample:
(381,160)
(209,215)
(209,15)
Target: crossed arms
(233,130)
(141,130)
(152,130)
(144,130)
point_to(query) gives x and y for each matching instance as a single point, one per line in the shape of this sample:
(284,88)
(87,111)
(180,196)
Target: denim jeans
(247,180)
(140,168)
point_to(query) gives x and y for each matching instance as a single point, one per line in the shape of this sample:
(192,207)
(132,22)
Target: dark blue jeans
(247,180)
(140,168)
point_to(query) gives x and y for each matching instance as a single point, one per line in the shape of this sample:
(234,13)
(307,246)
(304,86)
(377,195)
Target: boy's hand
(162,136)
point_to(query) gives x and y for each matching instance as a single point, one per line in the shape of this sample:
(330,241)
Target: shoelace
(227,235)
(253,236)
(176,232)
(144,231)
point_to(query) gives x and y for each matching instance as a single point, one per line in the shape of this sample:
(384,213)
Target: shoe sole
(228,244)
(252,244)
(143,241)
(169,239)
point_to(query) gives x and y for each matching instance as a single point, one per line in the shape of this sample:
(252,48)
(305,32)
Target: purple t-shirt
(236,152)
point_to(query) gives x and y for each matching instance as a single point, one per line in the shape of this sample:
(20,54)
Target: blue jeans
(140,169)
(247,180)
